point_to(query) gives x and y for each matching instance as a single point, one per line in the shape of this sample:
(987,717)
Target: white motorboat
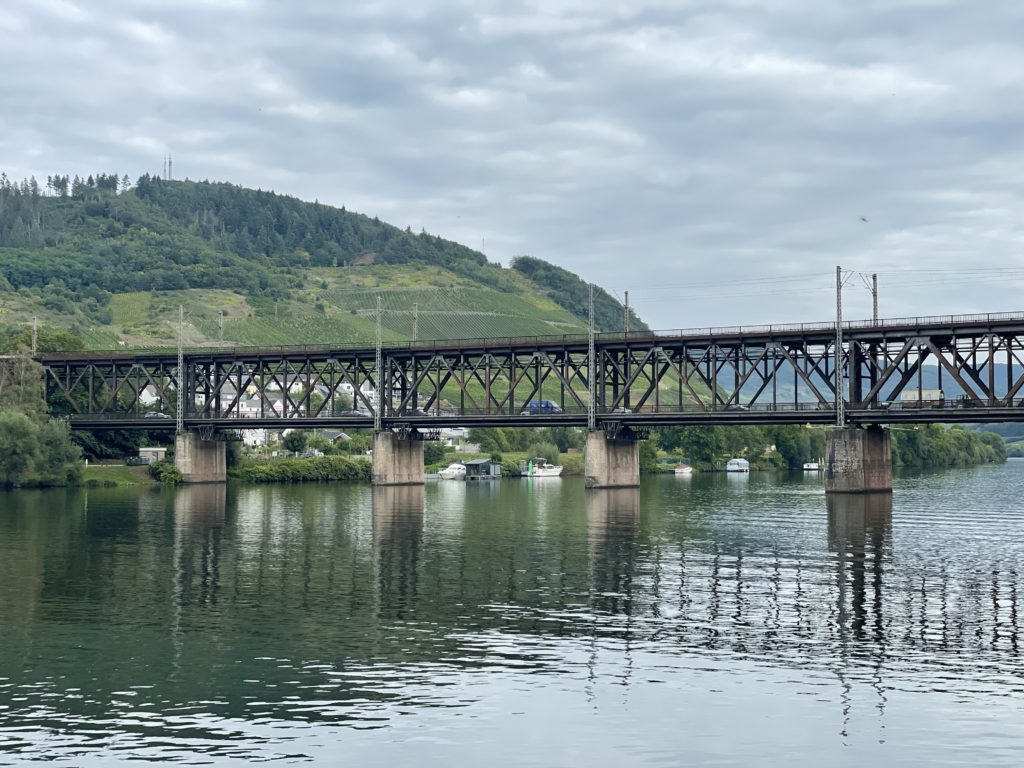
(684,469)
(456,471)
(812,466)
(539,467)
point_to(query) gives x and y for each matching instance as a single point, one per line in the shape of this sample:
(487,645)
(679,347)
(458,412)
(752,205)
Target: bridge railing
(156,420)
(559,339)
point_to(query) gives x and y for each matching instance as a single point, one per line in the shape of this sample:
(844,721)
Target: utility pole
(221,324)
(874,298)
(625,316)
(840,416)
(591,366)
(379,374)
(35,335)
(415,322)
(180,424)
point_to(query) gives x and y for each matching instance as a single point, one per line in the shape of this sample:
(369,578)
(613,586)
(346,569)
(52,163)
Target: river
(717,620)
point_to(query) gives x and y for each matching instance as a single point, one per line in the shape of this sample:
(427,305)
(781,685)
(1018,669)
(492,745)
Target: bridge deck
(739,375)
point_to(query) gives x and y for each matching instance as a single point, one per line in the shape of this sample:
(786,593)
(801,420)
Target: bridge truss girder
(664,379)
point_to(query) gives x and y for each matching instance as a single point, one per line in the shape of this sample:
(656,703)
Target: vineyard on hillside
(332,310)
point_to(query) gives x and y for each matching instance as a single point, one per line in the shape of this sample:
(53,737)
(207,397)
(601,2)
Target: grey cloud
(642,145)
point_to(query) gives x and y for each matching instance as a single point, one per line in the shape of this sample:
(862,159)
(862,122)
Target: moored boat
(539,467)
(456,471)
(737,465)
(684,469)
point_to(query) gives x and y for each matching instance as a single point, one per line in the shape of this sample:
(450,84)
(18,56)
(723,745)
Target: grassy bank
(108,475)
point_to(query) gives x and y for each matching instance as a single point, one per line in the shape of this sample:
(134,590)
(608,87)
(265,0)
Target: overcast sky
(665,148)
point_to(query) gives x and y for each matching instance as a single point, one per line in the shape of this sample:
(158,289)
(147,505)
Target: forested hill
(70,247)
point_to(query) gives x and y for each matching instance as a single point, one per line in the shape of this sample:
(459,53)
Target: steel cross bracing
(917,370)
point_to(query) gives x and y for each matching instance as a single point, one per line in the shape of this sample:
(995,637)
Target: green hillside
(111,261)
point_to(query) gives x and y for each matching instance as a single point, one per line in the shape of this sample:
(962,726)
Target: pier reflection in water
(860,533)
(397,540)
(705,620)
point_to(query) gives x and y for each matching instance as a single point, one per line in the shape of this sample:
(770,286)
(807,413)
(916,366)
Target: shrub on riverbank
(36,452)
(342,469)
(934,445)
(165,472)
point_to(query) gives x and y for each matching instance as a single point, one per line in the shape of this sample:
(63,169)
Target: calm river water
(712,621)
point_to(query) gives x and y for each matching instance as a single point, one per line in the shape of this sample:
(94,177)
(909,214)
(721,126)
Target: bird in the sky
(863,219)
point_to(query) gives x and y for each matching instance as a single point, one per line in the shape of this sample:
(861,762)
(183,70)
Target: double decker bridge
(957,368)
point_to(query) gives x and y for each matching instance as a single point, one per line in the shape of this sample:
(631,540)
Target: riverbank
(317,469)
(114,475)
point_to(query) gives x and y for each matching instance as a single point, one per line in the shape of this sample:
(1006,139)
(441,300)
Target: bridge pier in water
(397,459)
(859,460)
(199,459)
(612,462)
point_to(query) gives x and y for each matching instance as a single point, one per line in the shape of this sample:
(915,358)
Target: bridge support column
(397,460)
(612,462)
(199,460)
(859,461)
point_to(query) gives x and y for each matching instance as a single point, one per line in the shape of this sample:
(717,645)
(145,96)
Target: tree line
(103,234)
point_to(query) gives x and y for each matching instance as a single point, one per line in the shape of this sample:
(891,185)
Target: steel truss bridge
(740,375)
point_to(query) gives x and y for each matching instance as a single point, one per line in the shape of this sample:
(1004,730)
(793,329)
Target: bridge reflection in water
(707,586)
(349,606)
(860,533)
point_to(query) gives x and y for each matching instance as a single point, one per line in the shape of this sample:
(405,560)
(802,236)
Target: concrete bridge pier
(859,461)
(200,460)
(612,462)
(397,459)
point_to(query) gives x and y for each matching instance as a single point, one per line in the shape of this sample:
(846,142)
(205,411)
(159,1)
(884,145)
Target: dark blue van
(535,407)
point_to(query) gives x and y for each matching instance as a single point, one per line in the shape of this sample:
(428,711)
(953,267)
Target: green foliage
(233,453)
(310,273)
(711,446)
(47,340)
(502,439)
(565,437)
(115,443)
(21,385)
(544,450)
(36,452)
(510,468)
(171,235)
(934,445)
(931,445)
(165,472)
(316,469)
(294,441)
(20,441)
(433,452)
(648,458)
(572,464)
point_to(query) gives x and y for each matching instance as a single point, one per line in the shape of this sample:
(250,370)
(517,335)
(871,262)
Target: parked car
(352,412)
(535,407)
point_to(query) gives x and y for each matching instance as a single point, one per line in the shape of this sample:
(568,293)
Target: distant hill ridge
(80,253)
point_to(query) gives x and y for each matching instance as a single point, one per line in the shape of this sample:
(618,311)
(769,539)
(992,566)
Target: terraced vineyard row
(455,300)
(303,330)
(441,325)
